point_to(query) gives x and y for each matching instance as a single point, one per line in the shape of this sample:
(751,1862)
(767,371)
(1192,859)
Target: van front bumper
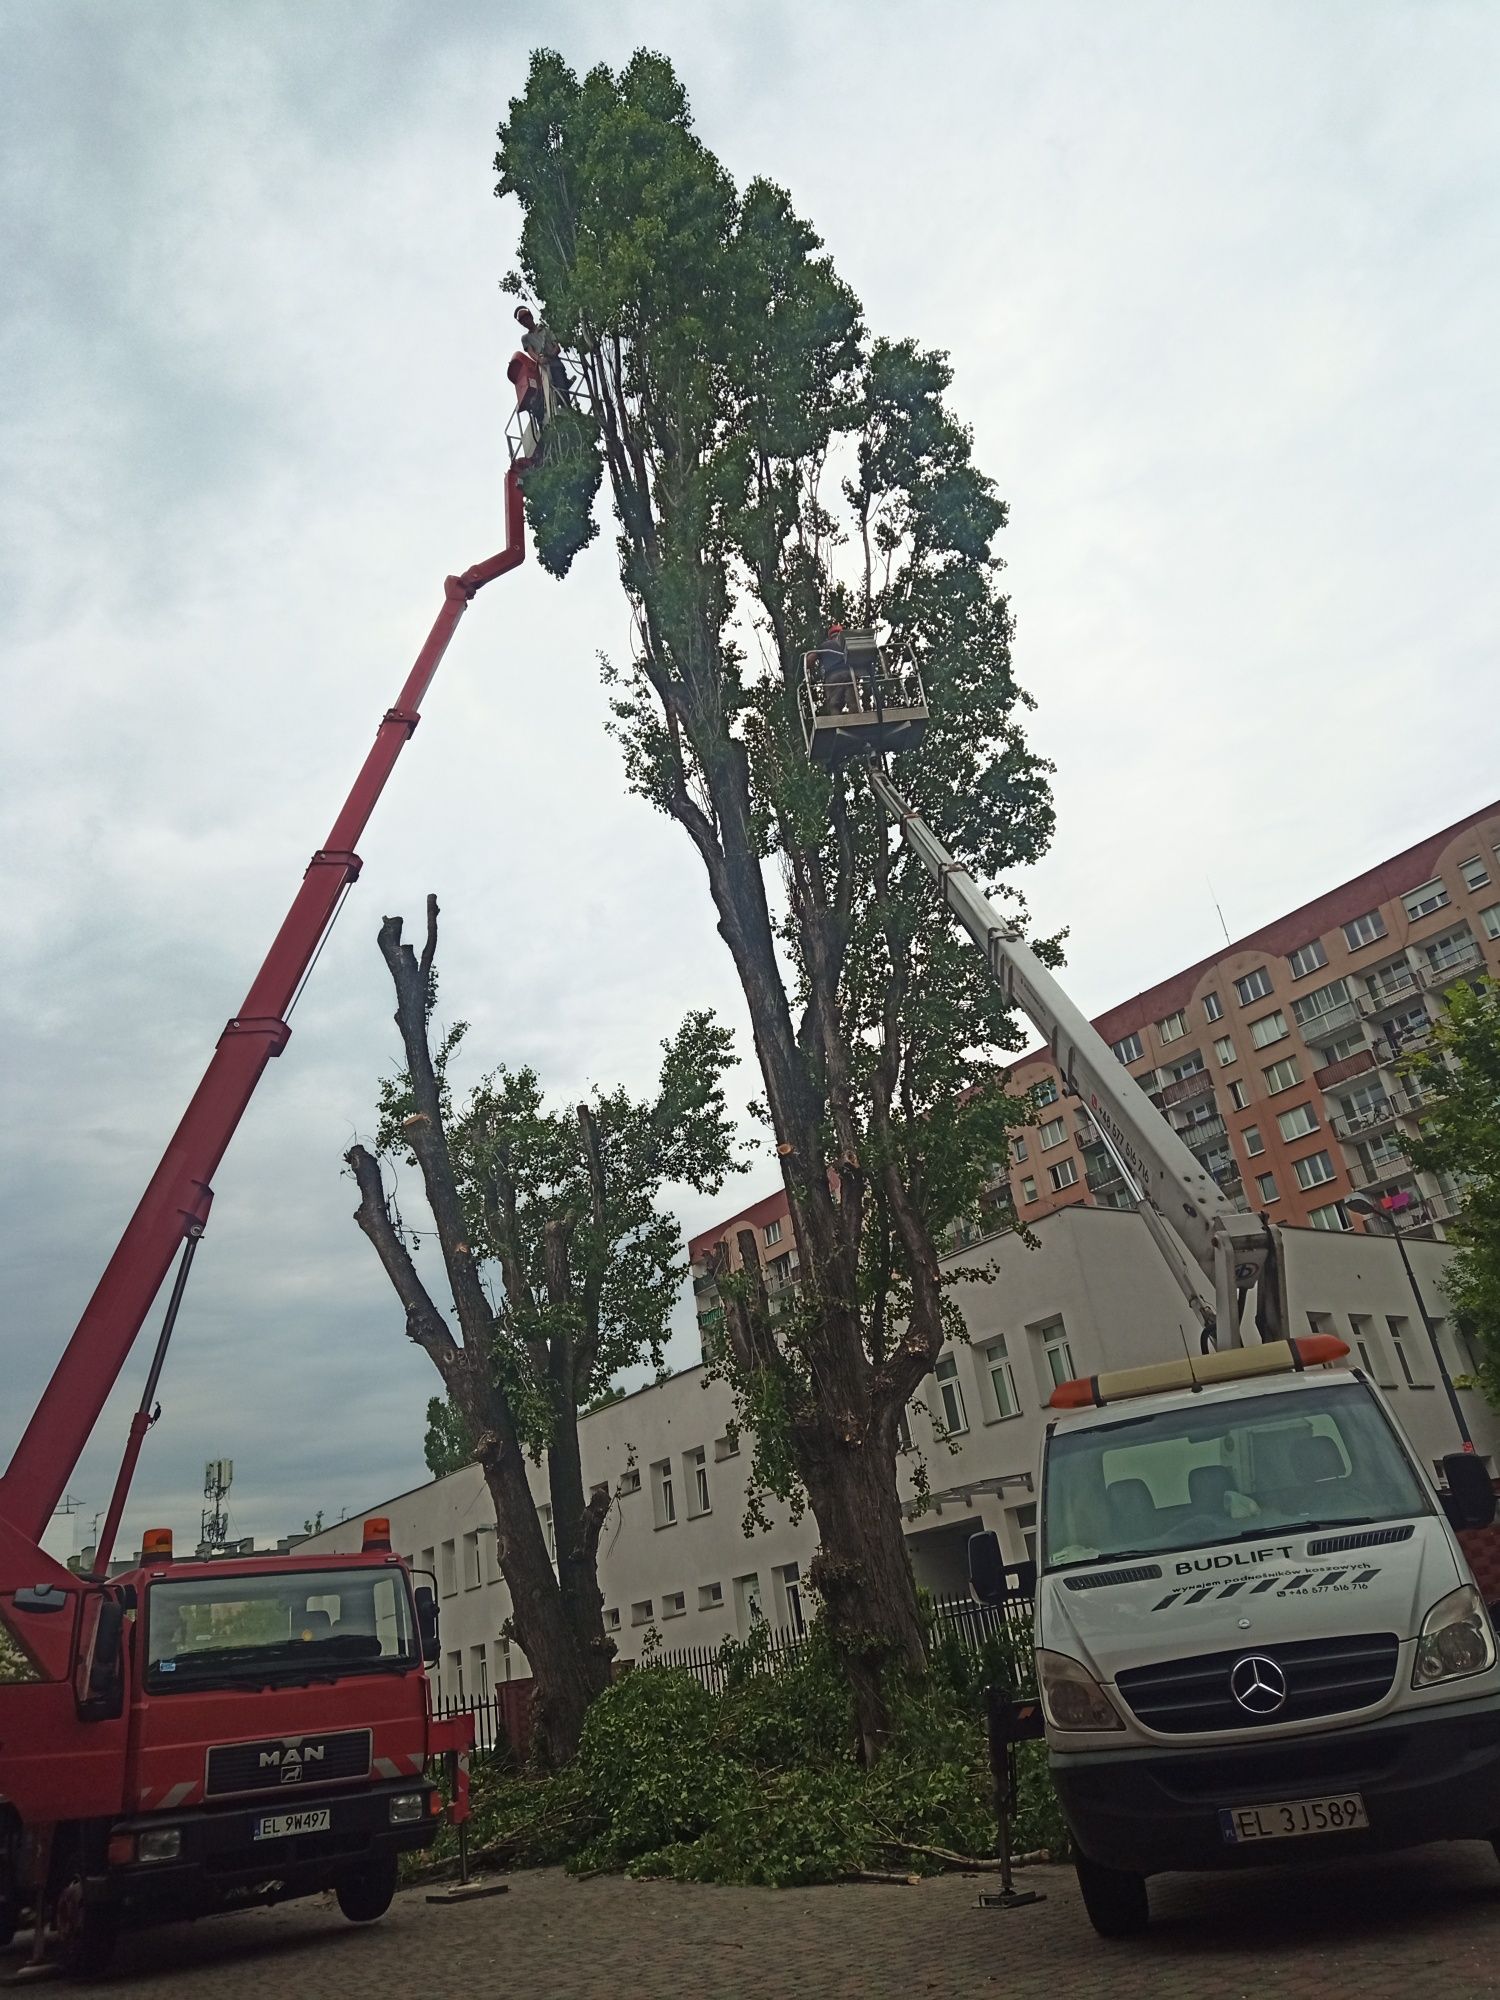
(1424,1774)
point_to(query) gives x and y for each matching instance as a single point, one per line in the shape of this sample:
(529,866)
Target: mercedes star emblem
(1257,1684)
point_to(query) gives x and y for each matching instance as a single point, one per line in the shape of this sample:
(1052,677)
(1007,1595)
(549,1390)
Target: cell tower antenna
(218,1477)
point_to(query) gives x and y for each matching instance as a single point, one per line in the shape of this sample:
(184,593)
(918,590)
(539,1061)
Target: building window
(1053,1133)
(1056,1352)
(710,1596)
(773,1232)
(1476,875)
(1028,1188)
(1314,1170)
(951,1395)
(695,1471)
(1213,1007)
(1239,1094)
(1254,986)
(1253,1141)
(1490,918)
(1128,1049)
(1265,1187)
(1224,1050)
(1173,1028)
(448,1571)
(1422,902)
(454,1679)
(479,1674)
(630,1479)
(472,1578)
(1307,958)
(1298,1122)
(1399,1328)
(663,1493)
(674,1604)
(1002,1381)
(1364,930)
(1064,1174)
(1023,1521)
(611,1617)
(426,1561)
(903,1431)
(788,1582)
(1362,1333)
(1269,1028)
(549,1533)
(640,1611)
(1045,1092)
(726,1447)
(1331,1217)
(1281,1075)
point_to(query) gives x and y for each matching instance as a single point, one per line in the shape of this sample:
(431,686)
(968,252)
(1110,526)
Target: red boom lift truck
(209,1735)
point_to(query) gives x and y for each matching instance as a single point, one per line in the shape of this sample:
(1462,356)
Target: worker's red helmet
(524,315)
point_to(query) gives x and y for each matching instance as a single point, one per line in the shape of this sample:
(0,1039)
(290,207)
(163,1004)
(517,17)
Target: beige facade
(676,1561)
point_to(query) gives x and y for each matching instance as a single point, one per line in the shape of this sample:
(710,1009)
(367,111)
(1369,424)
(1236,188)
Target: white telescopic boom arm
(1193,1222)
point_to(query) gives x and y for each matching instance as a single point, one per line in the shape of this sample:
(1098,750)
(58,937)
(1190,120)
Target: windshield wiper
(1111,1556)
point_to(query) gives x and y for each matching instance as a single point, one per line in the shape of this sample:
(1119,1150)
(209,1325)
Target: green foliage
(758,1784)
(1461,1140)
(601,1185)
(561,488)
(447,1447)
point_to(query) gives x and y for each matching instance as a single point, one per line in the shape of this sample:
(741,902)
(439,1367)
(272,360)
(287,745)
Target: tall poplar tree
(773,466)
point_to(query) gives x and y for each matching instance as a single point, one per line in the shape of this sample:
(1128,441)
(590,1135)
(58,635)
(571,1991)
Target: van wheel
(367,1895)
(86,1932)
(1115,1900)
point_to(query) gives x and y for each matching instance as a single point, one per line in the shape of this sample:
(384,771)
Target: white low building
(680,1565)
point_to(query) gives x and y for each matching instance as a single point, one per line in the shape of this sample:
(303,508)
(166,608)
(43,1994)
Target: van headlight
(1071,1697)
(1456,1639)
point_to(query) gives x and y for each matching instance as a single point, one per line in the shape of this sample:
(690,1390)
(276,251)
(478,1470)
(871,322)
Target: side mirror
(986,1567)
(104,1694)
(427,1626)
(41,1597)
(1470,1499)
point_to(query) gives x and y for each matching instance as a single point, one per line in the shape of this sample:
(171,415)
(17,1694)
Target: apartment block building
(1278,1059)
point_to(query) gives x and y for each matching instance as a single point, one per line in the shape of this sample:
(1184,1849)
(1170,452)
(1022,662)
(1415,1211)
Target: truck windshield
(256,1631)
(1227,1471)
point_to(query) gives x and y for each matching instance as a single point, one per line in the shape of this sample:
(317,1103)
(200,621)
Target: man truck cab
(1257,1636)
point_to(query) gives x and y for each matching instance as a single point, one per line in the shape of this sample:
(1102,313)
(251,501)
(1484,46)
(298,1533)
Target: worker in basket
(846,671)
(539,341)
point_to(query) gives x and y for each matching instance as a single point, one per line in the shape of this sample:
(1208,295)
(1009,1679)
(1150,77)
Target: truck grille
(1323,1677)
(264,1767)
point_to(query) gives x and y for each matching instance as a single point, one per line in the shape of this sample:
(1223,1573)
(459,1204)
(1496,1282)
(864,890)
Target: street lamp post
(1370,1214)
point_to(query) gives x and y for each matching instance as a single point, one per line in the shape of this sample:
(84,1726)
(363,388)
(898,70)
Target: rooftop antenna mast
(218,1477)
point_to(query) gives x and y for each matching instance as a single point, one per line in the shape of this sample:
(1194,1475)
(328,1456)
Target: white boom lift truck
(1257,1636)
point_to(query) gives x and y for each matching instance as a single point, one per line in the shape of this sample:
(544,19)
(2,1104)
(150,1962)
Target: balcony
(1199,1084)
(1451,965)
(1391,1167)
(1387,993)
(705,1281)
(1106,1180)
(1328,1027)
(1207,1132)
(1361,1124)
(1333,1073)
(1411,1039)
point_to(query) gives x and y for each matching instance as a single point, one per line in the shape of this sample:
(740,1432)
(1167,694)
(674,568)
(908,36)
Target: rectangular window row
(995,1376)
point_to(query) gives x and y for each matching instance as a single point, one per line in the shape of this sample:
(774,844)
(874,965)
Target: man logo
(291,1759)
(1258,1685)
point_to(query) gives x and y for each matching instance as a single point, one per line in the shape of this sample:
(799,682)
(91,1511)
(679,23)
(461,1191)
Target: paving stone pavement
(1427,1923)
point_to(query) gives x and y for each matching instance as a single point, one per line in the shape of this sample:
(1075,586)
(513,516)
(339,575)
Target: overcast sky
(1220,288)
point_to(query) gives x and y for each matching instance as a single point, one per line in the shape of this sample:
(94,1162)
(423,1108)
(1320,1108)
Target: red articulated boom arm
(175,1204)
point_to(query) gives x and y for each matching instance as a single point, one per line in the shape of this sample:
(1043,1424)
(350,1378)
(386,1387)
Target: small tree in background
(1461,1139)
(565,1208)
(772,467)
